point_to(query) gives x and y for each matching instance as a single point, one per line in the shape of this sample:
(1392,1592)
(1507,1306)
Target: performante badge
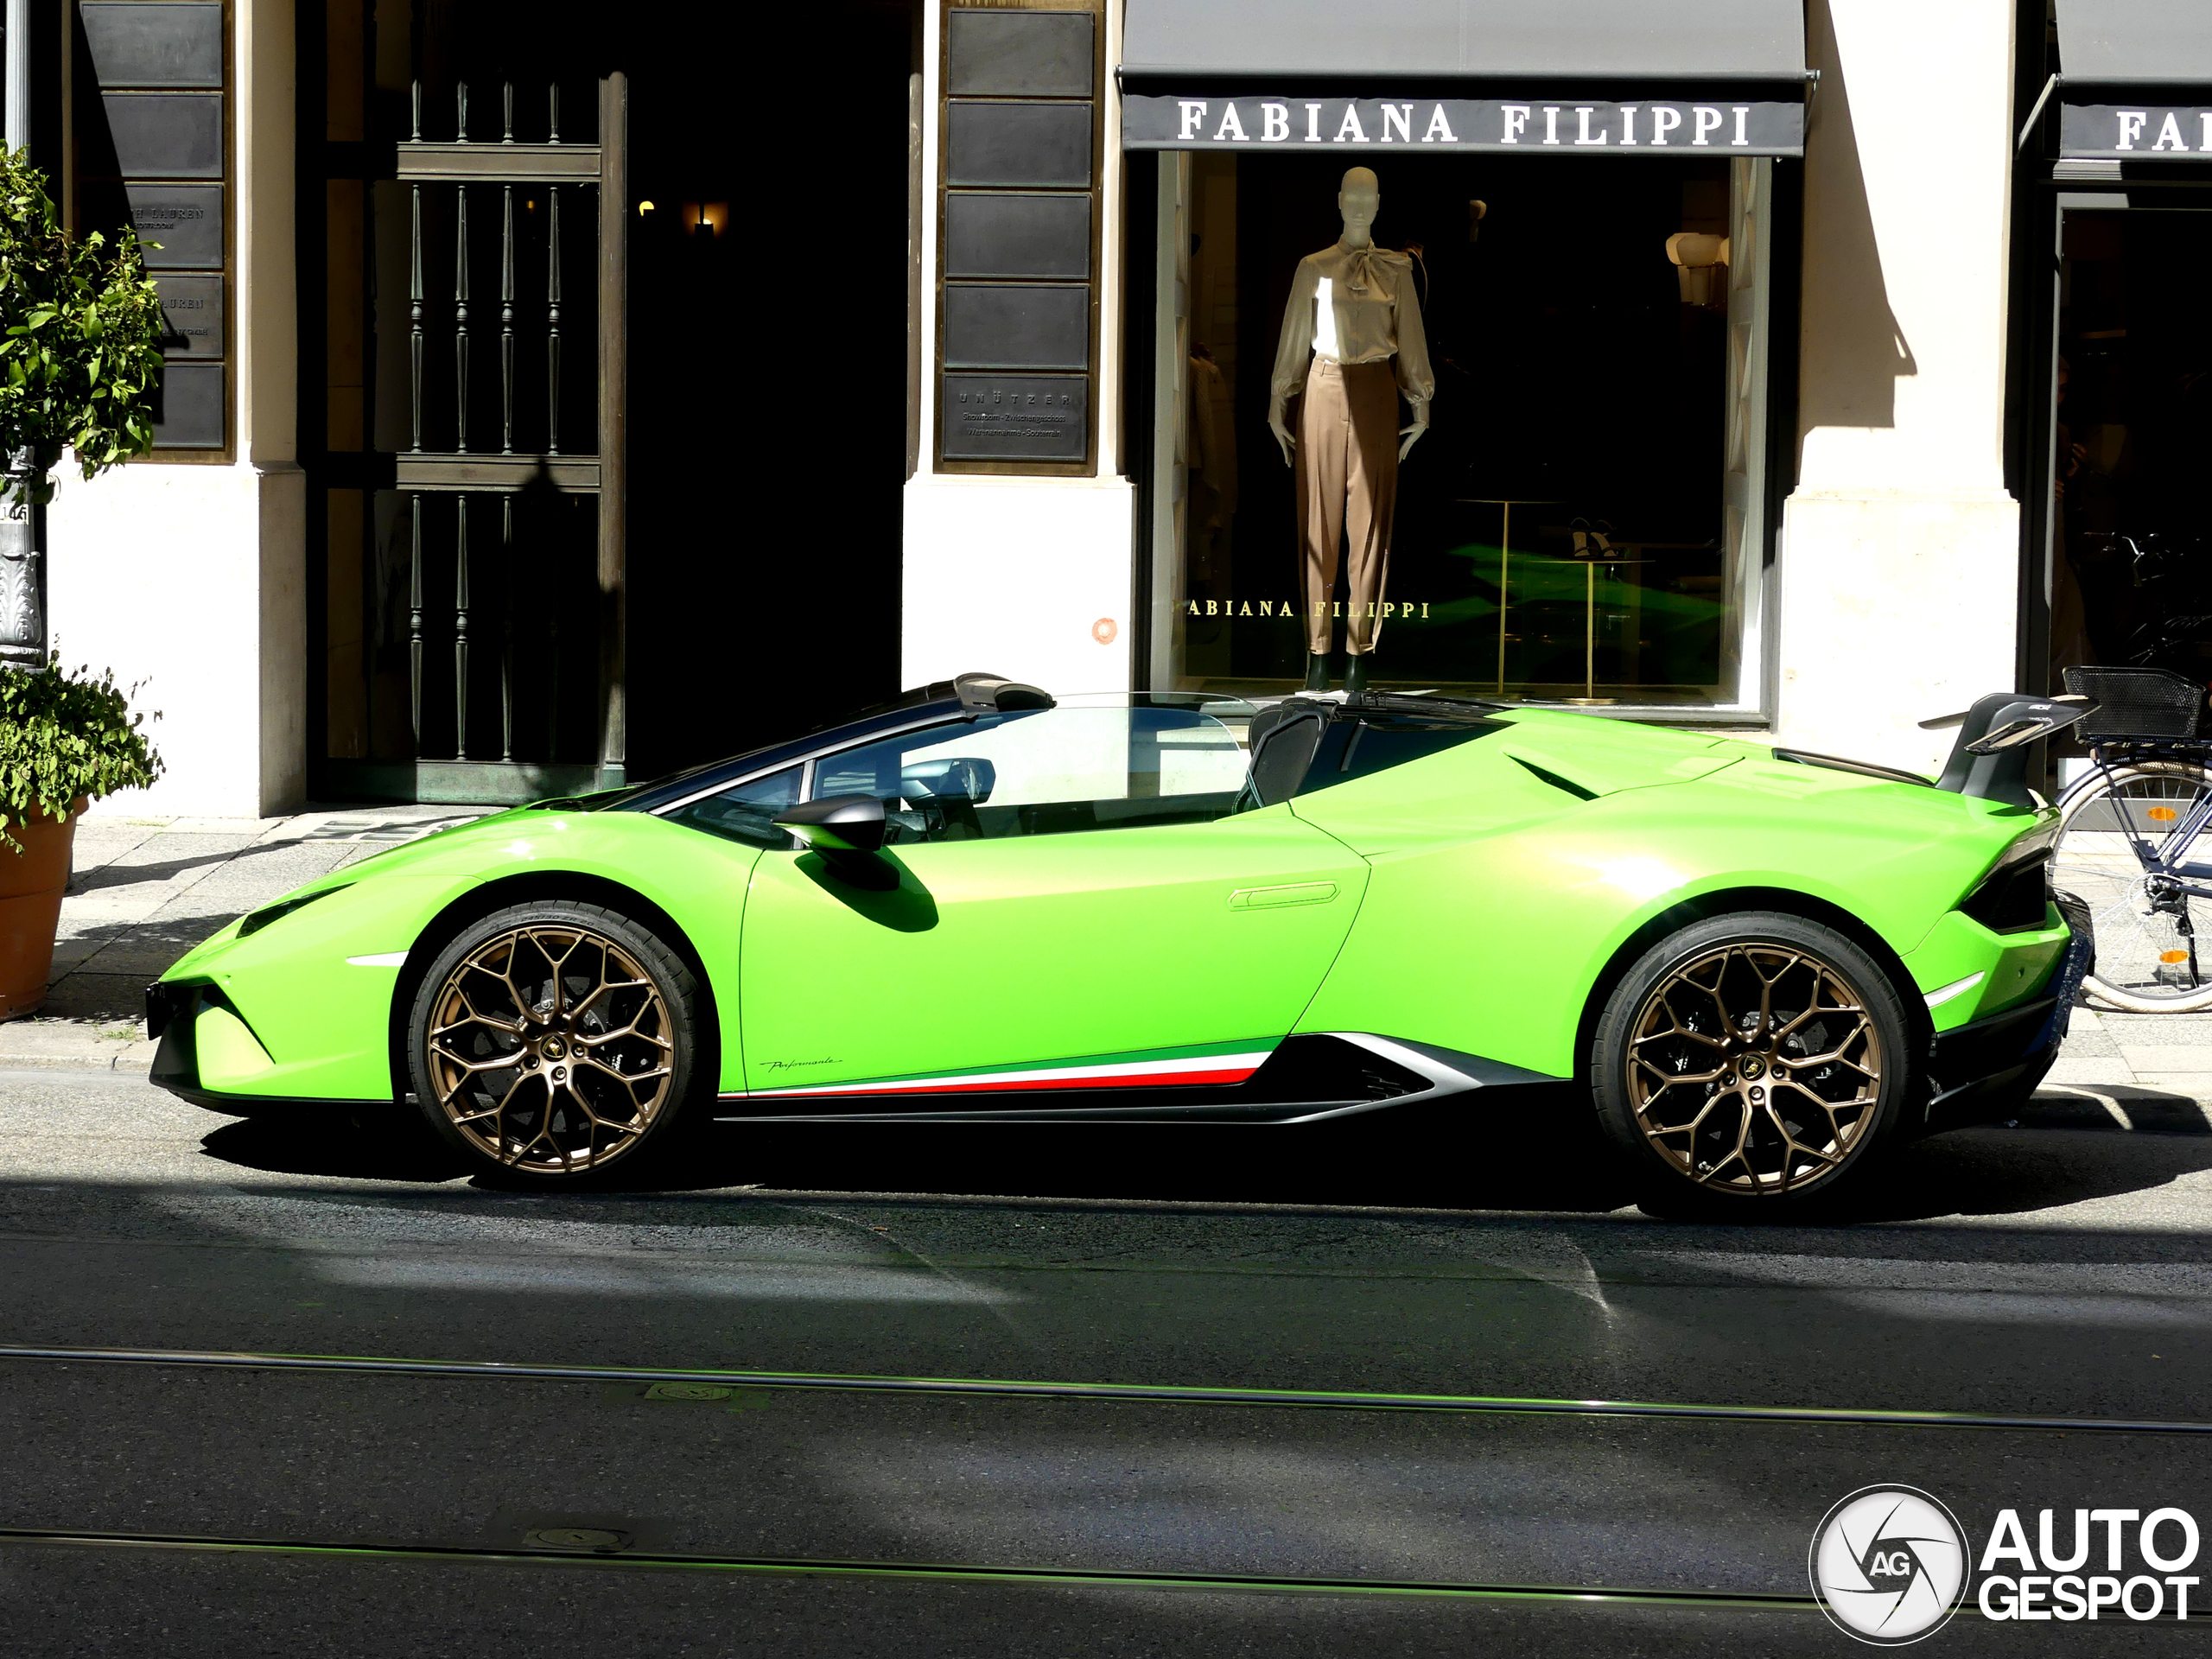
(1889,1565)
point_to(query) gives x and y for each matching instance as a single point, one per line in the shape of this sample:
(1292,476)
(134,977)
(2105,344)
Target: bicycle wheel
(2153,940)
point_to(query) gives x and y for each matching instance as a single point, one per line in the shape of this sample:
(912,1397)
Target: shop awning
(1631,40)
(1623,76)
(2135,80)
(2145,41)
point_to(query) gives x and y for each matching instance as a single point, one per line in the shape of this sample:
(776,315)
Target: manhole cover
(599,1539)
(689,1391)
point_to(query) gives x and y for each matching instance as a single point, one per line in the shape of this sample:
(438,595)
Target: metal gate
(470,546)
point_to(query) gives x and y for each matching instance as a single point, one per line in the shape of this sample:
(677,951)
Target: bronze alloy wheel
(1753,1068)
(549,1049)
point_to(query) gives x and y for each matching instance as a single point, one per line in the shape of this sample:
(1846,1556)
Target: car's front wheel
(550,1040)
(1751,1059)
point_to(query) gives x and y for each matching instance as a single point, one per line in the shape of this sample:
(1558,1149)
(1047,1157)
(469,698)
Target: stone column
(1900,558)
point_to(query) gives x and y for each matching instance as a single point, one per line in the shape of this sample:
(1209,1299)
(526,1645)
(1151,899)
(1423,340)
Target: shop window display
(2132,566)
(1562,361)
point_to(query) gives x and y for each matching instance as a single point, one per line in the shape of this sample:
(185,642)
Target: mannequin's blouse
(1354,305)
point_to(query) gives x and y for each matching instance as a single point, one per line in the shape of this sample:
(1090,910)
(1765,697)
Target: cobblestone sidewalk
(2167,1051)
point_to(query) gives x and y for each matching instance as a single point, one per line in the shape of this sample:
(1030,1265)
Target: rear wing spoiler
(1989,758)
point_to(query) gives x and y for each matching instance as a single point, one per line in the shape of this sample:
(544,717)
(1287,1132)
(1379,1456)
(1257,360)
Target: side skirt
(1305,1078)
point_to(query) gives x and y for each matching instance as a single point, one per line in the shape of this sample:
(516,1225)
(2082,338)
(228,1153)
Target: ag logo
(1889,1565)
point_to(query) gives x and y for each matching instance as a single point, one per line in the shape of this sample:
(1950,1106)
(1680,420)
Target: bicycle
(2129,835)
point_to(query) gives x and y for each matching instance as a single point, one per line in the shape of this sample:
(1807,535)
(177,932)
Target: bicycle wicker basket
(2136,702)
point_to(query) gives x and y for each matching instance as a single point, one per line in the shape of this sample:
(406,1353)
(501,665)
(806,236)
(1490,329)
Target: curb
(2133,1106)
(70,1046)
(124,1062)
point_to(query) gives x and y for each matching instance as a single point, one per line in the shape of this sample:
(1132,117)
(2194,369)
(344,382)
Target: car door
(1078,906)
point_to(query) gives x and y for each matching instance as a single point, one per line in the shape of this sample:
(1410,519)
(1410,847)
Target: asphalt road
(544,1470)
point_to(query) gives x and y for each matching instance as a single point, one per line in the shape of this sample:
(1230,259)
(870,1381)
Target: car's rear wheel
(550,1041)
(1751,1061)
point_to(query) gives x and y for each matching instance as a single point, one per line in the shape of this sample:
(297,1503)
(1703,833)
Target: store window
(2133,419)
(1583,518)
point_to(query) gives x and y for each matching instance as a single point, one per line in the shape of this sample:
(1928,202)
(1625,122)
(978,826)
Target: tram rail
(1308,1399)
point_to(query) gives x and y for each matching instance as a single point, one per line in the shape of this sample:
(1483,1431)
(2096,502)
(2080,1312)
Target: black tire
(1724,1140)
(602,1072)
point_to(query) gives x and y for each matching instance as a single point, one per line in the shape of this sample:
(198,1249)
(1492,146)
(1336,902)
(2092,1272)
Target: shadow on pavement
(1530,1157)
(378,1146)
(1996,1171)
(1538,1160)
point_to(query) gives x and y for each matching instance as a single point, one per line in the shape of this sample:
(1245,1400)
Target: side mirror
(954,777)
(847,831)
(837,824)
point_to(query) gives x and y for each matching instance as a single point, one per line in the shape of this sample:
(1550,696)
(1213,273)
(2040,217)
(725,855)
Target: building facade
(532,424)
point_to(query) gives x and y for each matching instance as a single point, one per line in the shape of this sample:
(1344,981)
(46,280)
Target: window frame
(1126,702)
(1152,229)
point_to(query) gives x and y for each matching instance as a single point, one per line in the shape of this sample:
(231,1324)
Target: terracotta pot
(30,908)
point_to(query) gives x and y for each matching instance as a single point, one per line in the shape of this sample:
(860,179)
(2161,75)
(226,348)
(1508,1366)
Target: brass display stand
(1590,621)
(1504,557)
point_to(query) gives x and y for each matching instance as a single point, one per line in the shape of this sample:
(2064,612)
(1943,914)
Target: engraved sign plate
(187,220)
(1018,143)
(1013,418)
(192,315)
(188,414)
(1017,236)
(154,42)
(1016,326)
(166,135)
(1019,54)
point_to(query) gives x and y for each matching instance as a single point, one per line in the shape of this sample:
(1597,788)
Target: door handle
(1296,893)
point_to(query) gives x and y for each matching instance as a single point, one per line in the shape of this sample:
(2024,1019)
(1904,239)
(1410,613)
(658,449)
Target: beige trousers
(1347,483)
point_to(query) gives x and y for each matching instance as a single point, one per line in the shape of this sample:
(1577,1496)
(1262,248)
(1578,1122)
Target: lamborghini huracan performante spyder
(980,902)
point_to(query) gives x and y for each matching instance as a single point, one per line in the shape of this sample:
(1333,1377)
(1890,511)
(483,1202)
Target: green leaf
(64,735)
(79,333)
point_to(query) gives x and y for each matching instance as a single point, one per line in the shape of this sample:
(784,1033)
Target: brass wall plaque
(166,135)
(1014,417)
(154,43)
(192,315)
(191,411)
(187,220)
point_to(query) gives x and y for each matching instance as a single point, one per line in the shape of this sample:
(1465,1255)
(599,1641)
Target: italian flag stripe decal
(1220,1063)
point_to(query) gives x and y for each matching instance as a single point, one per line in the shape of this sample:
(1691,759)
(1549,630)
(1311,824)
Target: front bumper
(172,1011)
(172,1019)
(173,1014)
(1988,1069)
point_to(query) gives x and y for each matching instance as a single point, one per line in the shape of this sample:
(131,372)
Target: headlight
(260,918)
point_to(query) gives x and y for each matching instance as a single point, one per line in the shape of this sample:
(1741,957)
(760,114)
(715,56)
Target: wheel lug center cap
(553,1048)
(1751,1066)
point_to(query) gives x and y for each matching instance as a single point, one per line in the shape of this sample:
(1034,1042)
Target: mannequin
(1352,342)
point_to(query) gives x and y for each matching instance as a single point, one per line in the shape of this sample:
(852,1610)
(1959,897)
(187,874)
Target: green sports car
(980,902)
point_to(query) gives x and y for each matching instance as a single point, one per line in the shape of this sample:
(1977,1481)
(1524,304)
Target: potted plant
(80,358)
(65,739)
